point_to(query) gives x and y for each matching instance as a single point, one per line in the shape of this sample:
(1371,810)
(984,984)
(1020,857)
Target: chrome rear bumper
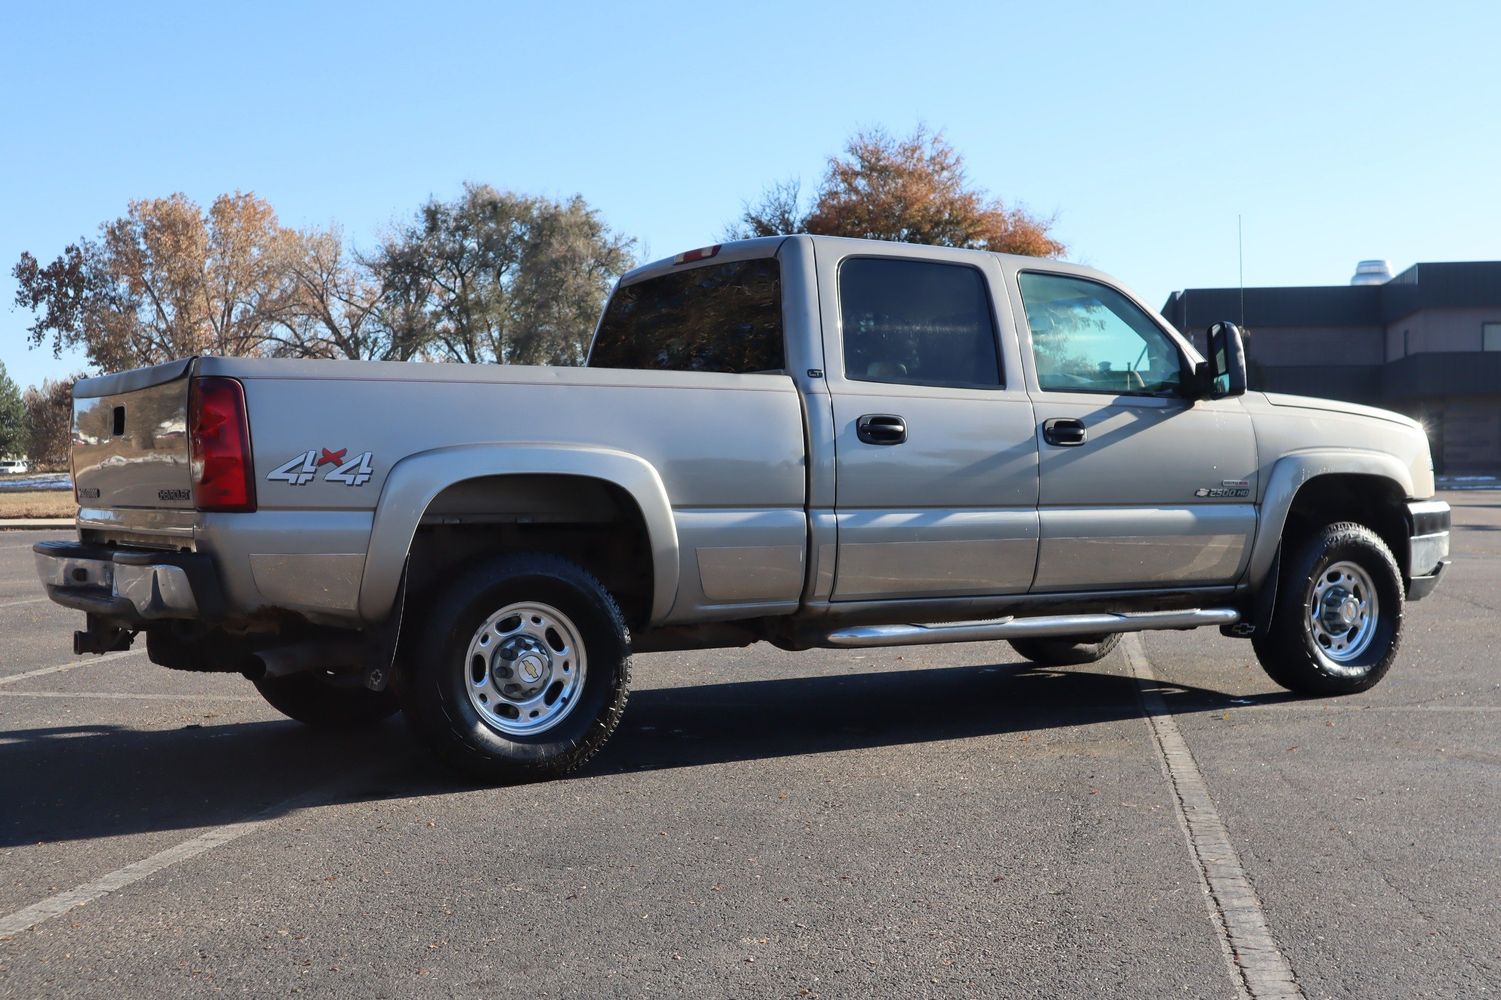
(128,585)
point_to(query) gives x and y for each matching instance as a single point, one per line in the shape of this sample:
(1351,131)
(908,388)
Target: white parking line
(71,664)
(1257,966)
(29,600)
(53,906)
(1353,710)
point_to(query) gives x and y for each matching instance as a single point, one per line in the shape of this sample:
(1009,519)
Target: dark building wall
(1333,306)
(1413,344)
(1431,375)
(1352,383)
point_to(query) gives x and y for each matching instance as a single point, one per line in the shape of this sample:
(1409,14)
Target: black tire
(312,699)
(436,691)
(1290,650)
(1067,651)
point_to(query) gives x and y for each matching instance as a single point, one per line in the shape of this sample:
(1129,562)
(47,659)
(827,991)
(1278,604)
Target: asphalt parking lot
(936,821)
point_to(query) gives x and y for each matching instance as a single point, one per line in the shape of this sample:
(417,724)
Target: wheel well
(589,521)
(1374,501)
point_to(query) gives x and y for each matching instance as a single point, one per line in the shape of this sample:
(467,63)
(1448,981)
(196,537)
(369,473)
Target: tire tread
(432,720)
(1283,648)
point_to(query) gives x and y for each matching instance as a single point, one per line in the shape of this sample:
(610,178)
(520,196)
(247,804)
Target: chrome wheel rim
(525,668)
(1341,616)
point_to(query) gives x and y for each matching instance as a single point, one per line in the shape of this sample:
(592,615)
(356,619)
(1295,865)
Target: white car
(13,466)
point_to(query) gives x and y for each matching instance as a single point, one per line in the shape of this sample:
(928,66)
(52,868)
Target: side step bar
(1029,628)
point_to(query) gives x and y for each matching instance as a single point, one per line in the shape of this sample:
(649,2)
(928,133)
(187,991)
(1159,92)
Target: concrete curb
(35,523)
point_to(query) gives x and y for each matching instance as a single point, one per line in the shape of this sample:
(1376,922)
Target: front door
(1140,486)
(935,451)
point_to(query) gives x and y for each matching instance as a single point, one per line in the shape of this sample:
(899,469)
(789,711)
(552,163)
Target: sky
(1333,131)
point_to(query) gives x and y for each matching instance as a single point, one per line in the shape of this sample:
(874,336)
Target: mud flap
(387,639)
(1263,604)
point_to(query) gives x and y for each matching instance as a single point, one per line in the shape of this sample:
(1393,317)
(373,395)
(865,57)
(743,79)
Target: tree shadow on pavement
(81,782)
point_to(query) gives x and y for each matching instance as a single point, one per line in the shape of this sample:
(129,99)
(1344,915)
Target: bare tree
(490,276)
(779,212)
(499,277)
(49,419)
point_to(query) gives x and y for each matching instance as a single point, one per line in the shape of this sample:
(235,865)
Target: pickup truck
(808,441)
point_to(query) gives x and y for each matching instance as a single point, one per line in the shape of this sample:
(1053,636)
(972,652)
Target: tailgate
(130,438)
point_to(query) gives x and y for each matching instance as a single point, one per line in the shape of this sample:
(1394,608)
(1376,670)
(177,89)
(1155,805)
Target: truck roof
(767,246)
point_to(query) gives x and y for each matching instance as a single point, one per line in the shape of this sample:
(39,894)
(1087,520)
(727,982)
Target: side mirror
(1224,374)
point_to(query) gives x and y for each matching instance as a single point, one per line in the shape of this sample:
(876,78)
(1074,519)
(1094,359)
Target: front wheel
(1337,620)
(522,671)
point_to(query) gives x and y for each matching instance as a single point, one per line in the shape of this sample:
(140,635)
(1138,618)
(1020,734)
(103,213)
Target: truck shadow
(766,719)
(89,781)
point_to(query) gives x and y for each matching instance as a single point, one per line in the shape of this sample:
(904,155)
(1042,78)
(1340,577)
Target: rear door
(935,450)
(1140,487)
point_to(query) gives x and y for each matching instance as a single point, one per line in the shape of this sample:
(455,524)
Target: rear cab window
(716,318)
(917,322)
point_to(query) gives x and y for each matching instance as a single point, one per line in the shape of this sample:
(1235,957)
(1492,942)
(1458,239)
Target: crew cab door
(1140,487)
(934,440)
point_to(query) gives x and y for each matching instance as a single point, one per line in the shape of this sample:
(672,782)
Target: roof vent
(1372,272)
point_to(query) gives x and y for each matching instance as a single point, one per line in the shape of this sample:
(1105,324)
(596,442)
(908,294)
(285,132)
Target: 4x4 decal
(304,468)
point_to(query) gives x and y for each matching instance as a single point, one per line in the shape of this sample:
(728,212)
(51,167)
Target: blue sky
(1338,131)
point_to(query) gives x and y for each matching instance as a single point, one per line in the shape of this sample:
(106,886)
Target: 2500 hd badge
(1228,488)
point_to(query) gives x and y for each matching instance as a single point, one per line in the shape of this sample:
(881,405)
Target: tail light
(692,256)
(223,476)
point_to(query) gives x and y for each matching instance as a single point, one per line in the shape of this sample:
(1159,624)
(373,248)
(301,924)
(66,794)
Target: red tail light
(223,476)
(692,256)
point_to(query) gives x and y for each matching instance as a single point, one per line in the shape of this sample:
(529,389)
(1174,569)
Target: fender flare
(1290,474)
(416,480)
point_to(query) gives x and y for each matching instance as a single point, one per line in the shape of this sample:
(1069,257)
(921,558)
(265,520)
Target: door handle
(1065,432)
(881,428)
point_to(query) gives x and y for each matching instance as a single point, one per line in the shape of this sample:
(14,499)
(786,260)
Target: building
(1426,343)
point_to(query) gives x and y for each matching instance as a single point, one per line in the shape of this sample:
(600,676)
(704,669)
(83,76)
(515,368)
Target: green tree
(495,276)
(12,416)
(911,190)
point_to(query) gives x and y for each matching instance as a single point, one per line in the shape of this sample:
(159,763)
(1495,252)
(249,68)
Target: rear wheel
(522,670)
(1067,651)
(315,700)
(1337,622)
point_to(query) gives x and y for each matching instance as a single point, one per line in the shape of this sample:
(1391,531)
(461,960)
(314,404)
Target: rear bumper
(129,585)
(1427,547)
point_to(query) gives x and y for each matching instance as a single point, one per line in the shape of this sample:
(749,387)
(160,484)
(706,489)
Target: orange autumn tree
(166,280)
(910,190)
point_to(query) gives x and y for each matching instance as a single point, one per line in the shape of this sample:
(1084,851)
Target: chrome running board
(1029,628)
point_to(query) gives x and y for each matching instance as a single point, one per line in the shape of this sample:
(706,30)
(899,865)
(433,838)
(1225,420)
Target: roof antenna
(1240,252)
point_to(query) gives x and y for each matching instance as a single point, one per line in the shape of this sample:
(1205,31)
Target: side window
(1087,337)
(917,322)
(721,318)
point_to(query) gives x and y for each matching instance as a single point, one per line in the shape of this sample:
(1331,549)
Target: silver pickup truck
(807,441)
